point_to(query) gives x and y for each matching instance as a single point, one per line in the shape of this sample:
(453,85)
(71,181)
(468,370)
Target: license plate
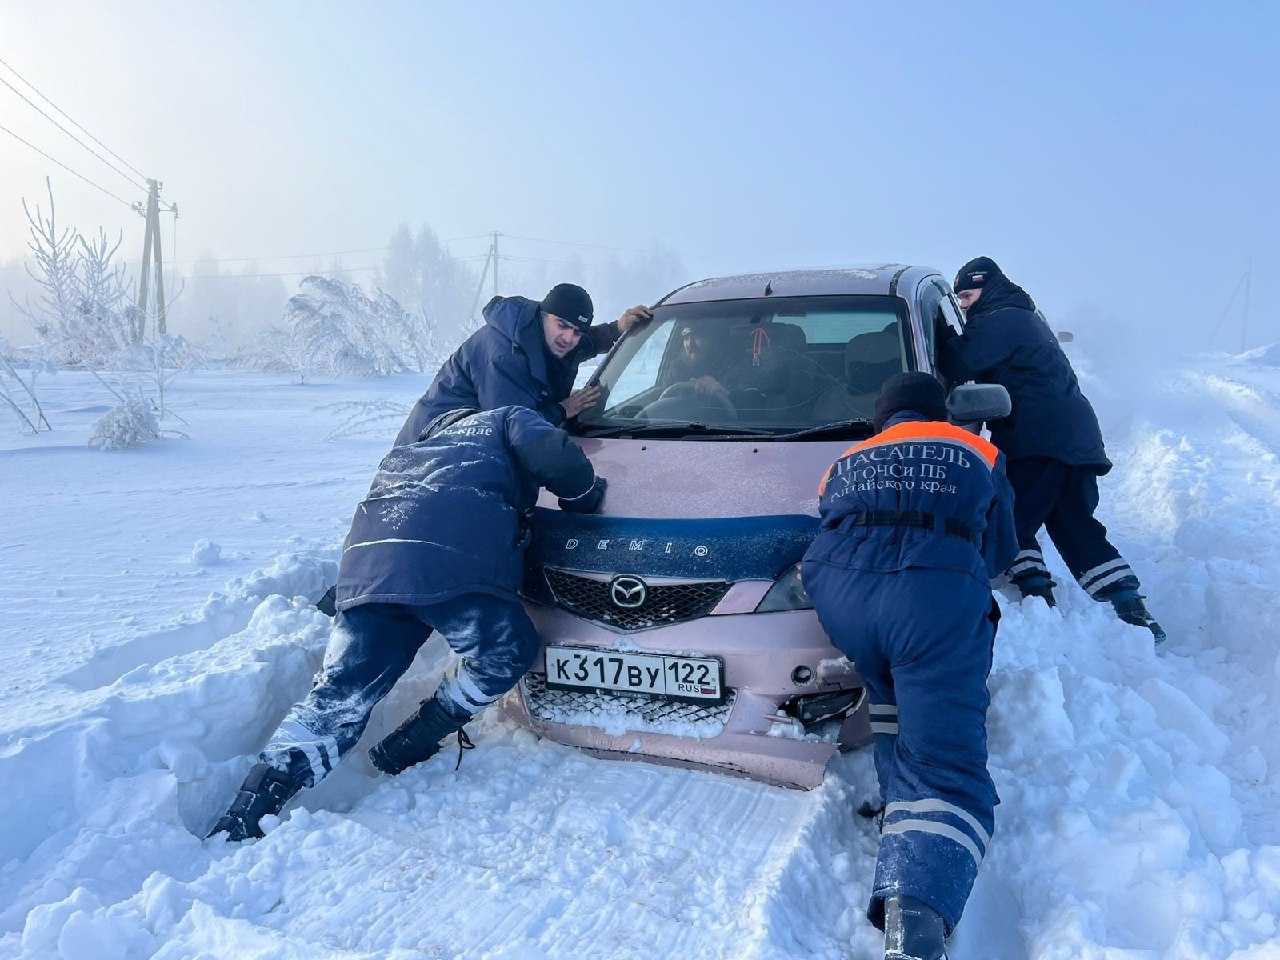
(694,679)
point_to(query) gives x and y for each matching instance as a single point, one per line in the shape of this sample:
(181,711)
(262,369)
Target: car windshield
(771,367)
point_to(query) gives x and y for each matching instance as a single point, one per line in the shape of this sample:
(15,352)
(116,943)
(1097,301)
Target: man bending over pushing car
(437,544)
(915,523)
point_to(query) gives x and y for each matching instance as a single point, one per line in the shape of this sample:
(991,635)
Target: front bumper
(750,735)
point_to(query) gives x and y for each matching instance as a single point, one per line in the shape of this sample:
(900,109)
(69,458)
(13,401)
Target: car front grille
(618,713)
(665,603)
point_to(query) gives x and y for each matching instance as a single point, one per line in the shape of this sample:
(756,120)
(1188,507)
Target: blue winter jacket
(448,515)
(506,362)
(949,481)
(1006,342)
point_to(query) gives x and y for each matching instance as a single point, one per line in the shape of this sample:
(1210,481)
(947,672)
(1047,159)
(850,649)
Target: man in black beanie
(1052,440)
(915,523)
(527,354)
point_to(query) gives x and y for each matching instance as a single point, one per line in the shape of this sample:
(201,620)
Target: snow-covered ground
(155,624)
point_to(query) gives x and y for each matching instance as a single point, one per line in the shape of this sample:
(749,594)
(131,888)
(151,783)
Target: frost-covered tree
(333,328)
(433,286)
(346,333)
(276,349)
(53,310)
(107,322)
(447,284)
(639,278)
(399,275)
(83,311)
(228,307)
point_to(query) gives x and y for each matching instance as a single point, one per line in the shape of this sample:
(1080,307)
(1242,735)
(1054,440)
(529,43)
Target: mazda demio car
(675,623)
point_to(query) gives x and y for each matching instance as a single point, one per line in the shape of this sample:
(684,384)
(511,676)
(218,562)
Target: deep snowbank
(1139,789)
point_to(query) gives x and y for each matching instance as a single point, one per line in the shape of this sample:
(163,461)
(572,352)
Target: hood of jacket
(999,293)
(519,320)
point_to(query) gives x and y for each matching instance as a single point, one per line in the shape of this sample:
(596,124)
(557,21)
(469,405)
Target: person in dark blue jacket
(915,523)
(527,354)
(1052,440)
(437,544)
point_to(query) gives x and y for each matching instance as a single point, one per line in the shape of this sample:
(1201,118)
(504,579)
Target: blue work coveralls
(915,522)
(437,544)
(506,363)
(1052,438)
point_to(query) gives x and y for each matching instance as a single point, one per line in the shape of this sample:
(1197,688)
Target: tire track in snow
(531,849)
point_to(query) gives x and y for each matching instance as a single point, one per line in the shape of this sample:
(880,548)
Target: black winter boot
(1130,608)
(264,792)
(913,930)
(1037,586)
(415,740)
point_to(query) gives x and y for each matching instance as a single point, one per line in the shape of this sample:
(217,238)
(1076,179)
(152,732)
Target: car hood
(695,479)
(688,510)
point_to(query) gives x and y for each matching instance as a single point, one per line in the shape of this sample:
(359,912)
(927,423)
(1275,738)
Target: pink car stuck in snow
(675,624)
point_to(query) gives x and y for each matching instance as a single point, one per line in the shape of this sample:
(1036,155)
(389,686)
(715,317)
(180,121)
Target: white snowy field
(155,624)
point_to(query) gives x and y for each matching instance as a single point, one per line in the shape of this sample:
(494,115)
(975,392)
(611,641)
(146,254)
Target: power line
(477,236)
(37,109)
(65,167)
(72,121)
(566,263)
(251,276)
(290,256)
(569,243)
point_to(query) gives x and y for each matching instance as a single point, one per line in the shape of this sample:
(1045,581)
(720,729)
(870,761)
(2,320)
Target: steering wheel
(685,390)
(679,390)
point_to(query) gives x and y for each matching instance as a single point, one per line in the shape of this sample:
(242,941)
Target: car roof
(882,279)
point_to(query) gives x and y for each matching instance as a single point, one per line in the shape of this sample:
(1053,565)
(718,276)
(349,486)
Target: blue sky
(1120,155)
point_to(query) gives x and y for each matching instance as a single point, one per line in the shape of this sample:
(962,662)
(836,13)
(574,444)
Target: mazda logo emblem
(628,592)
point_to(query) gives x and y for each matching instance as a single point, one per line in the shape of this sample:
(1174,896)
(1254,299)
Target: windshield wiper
(675,429)
(836,428)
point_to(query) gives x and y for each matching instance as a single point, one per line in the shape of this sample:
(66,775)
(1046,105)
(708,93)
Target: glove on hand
(589,502)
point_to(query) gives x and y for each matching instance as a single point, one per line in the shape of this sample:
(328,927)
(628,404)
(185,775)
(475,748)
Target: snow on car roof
(875,279)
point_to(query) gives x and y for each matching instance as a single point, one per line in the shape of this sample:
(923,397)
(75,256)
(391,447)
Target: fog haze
(1118,160)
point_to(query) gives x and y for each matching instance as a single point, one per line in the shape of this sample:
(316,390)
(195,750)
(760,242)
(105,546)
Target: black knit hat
(922,393)
(570,303)
(976,274)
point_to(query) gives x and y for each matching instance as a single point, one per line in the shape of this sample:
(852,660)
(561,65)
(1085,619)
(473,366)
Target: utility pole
(480,286)
(1244,321)
(151,252)
(494,251)
(1244,283)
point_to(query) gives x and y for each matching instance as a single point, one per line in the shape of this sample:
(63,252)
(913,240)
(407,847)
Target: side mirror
(975,402)
(1065,336)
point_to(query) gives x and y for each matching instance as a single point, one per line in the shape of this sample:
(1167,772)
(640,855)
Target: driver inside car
(708,367)
(701,361)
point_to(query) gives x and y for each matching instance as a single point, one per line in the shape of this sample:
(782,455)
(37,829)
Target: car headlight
(787,593)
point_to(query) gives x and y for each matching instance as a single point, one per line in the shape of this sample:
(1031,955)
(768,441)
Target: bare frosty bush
(131,423)
(333,328)
(83,311)
(160,360)
(18,395)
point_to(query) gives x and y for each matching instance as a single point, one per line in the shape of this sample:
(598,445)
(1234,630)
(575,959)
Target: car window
(776,364)
(640,372)
(951,313)
(929,304)
(838,326)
